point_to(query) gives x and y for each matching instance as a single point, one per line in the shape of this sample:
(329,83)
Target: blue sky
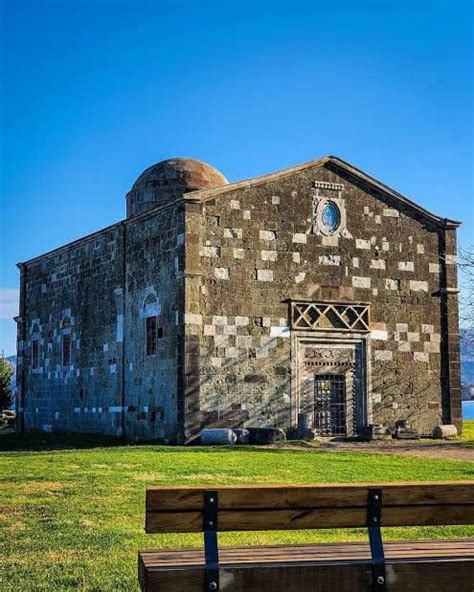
(94,92)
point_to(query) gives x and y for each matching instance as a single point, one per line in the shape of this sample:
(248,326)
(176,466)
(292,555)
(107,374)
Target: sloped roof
(338,164)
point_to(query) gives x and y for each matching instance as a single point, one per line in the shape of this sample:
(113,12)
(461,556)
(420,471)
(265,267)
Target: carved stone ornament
(329,211)
(329,356)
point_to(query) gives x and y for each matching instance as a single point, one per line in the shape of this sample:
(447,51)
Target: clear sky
(94,92)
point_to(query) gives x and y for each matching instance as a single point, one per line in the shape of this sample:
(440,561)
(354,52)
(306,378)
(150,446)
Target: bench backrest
(299,507)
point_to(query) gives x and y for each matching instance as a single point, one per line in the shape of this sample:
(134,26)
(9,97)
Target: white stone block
(221,273)
(379,335)
(391,213)
(421,357)
(269,255)
(264,275)
(299,238)
(427,328)
(246,214)
(391,284)
(329,260)
(418,286)
(413,336)
(420,249)
(211,251)
(231,352)
(267,235)
(192,319)
(361,282)
(362,243)
(378,264)
(209,330)
(355,261)
(216,362)
(275,200)
(279,331)
(451,259)
(241,321)
(300,277)
(385,246)
(239,253)
(402,327)
(296,257)
(435,268)
(378,219)
(431,347)
(406,266)
(234,204)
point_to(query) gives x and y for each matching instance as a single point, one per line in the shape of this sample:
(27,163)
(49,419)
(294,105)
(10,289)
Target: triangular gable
(337,165)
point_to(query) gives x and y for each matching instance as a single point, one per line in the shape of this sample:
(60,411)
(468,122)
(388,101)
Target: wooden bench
(421,566)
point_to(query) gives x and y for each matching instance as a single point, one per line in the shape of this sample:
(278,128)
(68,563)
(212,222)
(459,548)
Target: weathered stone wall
(77,282)
(257,251)
(103,284)
(154,247)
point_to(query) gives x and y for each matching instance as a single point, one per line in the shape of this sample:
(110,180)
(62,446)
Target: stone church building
(316,289)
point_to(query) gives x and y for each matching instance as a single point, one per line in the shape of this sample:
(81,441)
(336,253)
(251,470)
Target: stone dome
(169,179)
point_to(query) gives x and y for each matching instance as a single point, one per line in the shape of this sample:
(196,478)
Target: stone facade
(261,308)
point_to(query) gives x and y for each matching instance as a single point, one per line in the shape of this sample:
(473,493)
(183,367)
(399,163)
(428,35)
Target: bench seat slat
(431,566)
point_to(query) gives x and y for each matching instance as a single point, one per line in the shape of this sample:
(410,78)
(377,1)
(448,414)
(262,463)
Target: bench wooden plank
(341,567)
(306,518)
(322,495)
(179,509)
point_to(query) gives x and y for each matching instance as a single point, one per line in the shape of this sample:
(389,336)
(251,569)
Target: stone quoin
(315,290)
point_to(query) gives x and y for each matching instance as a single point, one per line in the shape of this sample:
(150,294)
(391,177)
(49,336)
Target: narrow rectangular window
(151,336)
(66,347)
(35,353)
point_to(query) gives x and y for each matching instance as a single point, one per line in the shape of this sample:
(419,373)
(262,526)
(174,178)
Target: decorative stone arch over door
(331,341)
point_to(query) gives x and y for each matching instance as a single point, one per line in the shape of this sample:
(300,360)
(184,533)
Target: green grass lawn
(72,509)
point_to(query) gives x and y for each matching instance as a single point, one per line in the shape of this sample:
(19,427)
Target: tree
(466,309)
(6,373)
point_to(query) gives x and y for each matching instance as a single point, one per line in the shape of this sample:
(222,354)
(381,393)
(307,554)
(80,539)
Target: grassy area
(71,511)
(468,433)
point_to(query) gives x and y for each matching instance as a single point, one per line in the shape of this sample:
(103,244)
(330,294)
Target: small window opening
(35,354)
(151,336)
(66,349)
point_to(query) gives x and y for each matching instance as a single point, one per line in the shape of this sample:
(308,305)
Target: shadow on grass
(38,441)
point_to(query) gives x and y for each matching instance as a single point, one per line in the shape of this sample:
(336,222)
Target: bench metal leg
(211,550)
(374,506)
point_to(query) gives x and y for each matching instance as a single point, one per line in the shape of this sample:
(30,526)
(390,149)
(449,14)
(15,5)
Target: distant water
(468,409)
